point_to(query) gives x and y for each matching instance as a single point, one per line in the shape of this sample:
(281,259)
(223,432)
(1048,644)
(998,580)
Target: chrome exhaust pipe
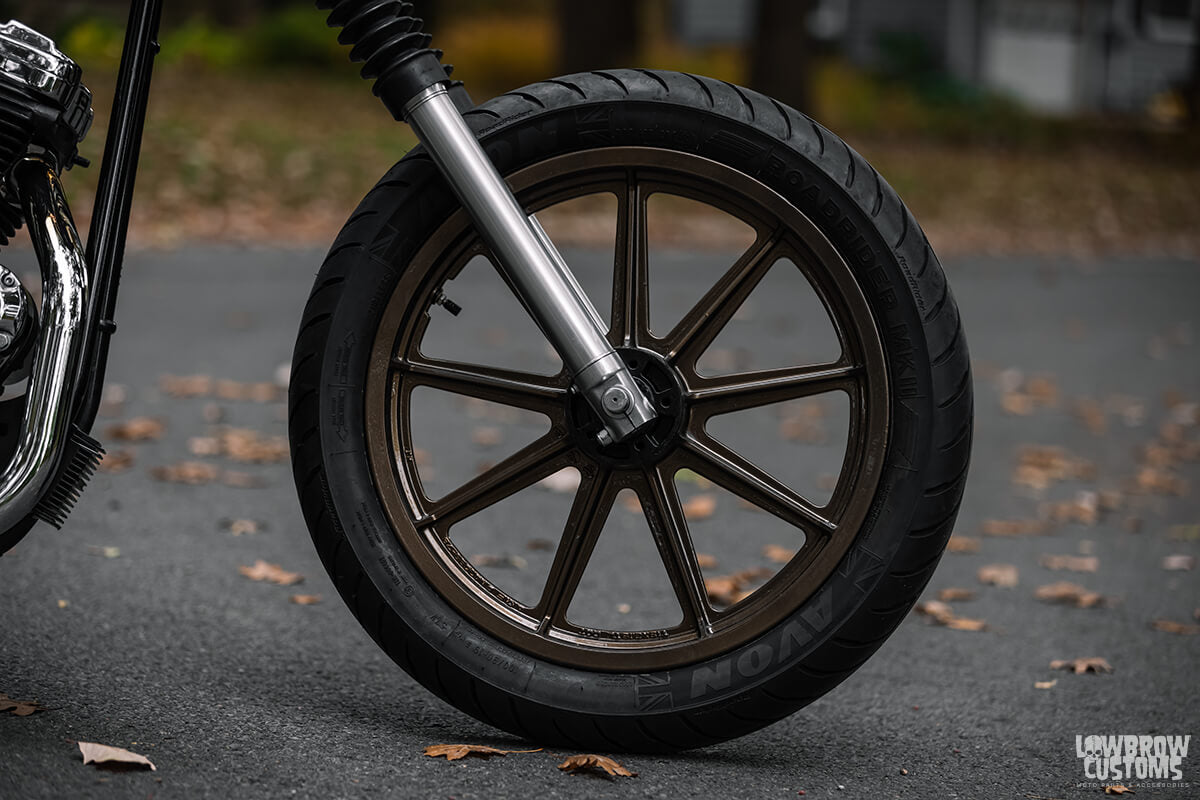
(45,428)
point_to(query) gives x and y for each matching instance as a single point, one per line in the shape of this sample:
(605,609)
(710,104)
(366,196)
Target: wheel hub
(660,383)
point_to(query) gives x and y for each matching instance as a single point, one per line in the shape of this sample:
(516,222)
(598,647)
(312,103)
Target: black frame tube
(114,196)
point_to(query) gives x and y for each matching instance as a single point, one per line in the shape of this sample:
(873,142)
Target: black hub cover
(655,377)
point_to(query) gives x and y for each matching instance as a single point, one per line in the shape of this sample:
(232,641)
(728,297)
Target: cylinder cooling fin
(387,37)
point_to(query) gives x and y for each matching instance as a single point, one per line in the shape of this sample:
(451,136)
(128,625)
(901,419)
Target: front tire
(722,672)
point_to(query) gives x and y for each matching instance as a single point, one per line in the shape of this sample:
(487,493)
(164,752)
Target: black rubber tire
(842,623)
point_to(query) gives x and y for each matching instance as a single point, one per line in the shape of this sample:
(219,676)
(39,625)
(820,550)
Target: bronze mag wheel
(687,400)
(730,564)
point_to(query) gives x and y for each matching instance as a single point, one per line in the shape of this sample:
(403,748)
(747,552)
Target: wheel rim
(681,442)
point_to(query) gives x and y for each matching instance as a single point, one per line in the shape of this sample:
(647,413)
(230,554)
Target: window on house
(1169,20)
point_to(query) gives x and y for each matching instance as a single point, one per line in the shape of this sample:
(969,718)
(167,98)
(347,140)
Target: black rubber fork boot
(387,38)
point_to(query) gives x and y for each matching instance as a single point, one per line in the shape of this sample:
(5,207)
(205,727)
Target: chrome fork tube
(64,307)
(533,265)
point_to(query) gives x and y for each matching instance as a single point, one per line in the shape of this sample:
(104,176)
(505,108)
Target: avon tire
(808,648)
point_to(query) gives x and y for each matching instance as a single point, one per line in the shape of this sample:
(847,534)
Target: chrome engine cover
(44,109)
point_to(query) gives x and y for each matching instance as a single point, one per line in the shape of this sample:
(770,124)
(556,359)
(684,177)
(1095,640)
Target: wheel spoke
(696,331)
(631,277)
(522,469)
(589,512)
(506,387)
(753,389)
(732,471)
(668,526)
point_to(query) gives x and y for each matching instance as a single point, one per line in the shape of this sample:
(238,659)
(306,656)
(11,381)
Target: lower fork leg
(533,265)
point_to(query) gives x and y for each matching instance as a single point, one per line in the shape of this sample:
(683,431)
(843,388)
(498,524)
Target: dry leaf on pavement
(595,764)
(103,754)
(706,561)
(1067,592)
(305,599)
(272,573)
(138,429)
(953,593)
(186,385)
(18,708)
(1081,665)
(1181,628)
(942,614)
(242,527)
(1045,684)
(778,554)
(193,473)
(702,506)
(1181,563)
(962,544)
(453,752)
(1118,788)
(1070,563)
(117,460)
(1016,527)
(1003,575)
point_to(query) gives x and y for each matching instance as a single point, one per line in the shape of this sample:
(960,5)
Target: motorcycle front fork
(533,266)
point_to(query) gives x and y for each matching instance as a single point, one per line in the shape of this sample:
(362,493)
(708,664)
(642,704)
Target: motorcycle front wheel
(698,657)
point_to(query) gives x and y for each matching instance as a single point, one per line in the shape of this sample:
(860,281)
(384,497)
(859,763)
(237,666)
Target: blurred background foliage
(259,127)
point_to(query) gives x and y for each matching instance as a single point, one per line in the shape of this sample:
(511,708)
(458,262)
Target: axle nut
(616,400)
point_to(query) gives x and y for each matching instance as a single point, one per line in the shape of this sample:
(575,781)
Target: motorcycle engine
(44,109)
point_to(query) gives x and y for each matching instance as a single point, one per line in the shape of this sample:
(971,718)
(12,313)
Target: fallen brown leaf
(1084,509)
(117,460)
(702,506)
(1092,415)
(1018,527)
(953,593)
(594,763)
(1118,788)
(272,573)
(138,429)
(250,447)
(1151,480)
(1003,575)
(1179,563)
(1038,467)
(778,554)
(186,386)
(204,446)
(453,752)
(194,473)
(706,561)
(18,708)
(965,624)
(242,527)
(1070,563)
(942,614)
(305,599)
(1045,684)
(962,544)
(1067,592)
(103,754)
(1180,628)
(1081,665)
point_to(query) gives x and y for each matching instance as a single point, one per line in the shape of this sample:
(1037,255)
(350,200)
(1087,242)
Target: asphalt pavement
(134,628)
